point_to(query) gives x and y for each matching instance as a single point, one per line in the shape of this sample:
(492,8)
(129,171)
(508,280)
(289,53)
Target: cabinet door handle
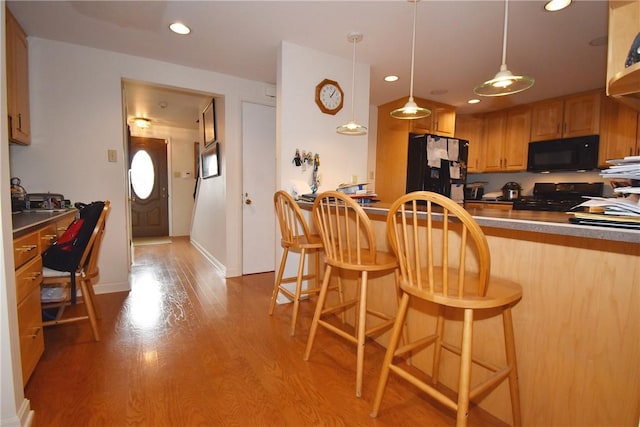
(27,248)
(36,332)
(36,275)
(20,121)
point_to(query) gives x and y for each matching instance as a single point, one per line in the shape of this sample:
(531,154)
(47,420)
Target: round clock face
(329,96)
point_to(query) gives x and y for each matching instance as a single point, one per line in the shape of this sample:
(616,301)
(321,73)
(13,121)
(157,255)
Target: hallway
(188,348)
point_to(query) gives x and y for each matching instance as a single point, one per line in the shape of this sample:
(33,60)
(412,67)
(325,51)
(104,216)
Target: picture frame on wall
(210,160)
(209,123)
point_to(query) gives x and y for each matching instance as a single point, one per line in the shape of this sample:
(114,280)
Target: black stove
(559,197)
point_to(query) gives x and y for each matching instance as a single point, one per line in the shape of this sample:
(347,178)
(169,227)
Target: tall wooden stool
(349,245)
(448,264)
(297,238)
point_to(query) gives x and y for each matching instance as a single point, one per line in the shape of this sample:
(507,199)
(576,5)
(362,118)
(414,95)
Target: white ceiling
(458,44)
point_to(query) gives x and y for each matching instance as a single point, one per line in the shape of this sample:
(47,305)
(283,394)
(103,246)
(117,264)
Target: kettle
(511,191)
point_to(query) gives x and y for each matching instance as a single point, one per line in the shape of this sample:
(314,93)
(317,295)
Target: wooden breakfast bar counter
(577,327)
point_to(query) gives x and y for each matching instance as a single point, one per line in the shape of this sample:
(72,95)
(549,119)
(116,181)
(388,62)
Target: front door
(149,201)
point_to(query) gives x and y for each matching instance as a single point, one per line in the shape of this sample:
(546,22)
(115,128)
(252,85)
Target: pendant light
(504,82)
(352,128)
(411,110)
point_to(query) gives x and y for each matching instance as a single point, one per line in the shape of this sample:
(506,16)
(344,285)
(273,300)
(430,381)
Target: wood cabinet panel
(507,139)
(566,117)
(28,277)
(623,83)
(25,248)
(30,332)
(495,131)
(619,132)
(471,128)
(17,61)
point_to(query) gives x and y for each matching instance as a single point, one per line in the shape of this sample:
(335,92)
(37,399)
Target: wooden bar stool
(297,238)
(349,245)
(446,262)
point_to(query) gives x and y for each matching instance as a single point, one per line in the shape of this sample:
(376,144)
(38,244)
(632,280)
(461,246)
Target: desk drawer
(25,248)
(30,331)
(28,277)
(48,235)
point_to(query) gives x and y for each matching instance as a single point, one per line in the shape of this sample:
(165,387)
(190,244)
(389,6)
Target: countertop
(23,222)
(522,220)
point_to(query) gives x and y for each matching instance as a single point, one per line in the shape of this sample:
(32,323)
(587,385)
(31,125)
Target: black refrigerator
(437,163)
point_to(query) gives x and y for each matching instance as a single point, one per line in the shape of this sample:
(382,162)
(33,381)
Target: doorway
(149,183)
(258,185)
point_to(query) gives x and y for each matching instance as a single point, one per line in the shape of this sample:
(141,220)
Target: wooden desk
(576,328)
(33,232)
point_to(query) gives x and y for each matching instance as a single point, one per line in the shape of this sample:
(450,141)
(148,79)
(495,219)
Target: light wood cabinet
(566,117)
(623,83)
(442,120)
(507,139)
(17,61)
(393,142)
(471,128)
(27,249)
(619,136)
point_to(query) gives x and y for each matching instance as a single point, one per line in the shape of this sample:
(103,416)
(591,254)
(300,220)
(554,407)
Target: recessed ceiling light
(473,101)
(391,78)
(556,5)
(142,122)
(179,28)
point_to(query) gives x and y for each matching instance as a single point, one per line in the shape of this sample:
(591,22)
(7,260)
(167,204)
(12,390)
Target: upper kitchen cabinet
(17,62)
(507,134)
(471,128)
(566,117)
(393,143)
(441,121)
(623,83)
(619,134)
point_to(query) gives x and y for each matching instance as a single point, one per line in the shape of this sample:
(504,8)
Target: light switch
(112,155)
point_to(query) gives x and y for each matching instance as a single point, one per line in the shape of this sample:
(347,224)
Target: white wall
(301,124)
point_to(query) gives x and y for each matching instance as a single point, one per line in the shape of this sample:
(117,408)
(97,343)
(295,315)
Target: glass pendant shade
(504,82)
(353,128)
(411,110)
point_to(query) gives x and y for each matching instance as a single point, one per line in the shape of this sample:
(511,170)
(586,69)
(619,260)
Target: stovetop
(559,197)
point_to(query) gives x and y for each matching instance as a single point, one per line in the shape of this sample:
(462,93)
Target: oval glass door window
(142,174)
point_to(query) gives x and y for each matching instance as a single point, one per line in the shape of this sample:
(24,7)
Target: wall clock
(329,96)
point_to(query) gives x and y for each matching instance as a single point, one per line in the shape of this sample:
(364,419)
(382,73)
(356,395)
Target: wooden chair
(86,272)
(444,260)
(350,246)
(297,238)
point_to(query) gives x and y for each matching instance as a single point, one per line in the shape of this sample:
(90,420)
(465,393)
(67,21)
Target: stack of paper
(624,169)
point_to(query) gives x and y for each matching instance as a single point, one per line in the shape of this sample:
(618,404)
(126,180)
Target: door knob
(247,202)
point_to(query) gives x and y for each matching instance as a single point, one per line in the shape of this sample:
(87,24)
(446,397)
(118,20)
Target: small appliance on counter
(474,191)
(18,194)
(511,191)
(559,197)
(45,201)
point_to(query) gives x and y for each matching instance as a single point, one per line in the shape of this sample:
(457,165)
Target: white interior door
(259,184)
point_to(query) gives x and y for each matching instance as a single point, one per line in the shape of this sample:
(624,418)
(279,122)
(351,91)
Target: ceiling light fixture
(504,82)
(556,5)
(179,28)
(142,123)
(391,78)
(411,110)
(352,128)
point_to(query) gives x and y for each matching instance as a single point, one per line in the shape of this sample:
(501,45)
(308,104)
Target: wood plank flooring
(185,347)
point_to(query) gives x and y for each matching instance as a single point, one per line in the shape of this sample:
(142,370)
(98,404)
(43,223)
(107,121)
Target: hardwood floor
(185,347)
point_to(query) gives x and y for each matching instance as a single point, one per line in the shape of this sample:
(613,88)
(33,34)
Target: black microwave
(568,154)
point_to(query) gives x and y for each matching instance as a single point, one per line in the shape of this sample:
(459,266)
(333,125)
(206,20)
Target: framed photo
(211,161)
(209,123)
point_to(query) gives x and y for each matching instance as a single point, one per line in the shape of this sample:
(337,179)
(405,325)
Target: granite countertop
(23,222)
(522,220)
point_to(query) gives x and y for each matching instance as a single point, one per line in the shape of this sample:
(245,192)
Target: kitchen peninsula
(576,327)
